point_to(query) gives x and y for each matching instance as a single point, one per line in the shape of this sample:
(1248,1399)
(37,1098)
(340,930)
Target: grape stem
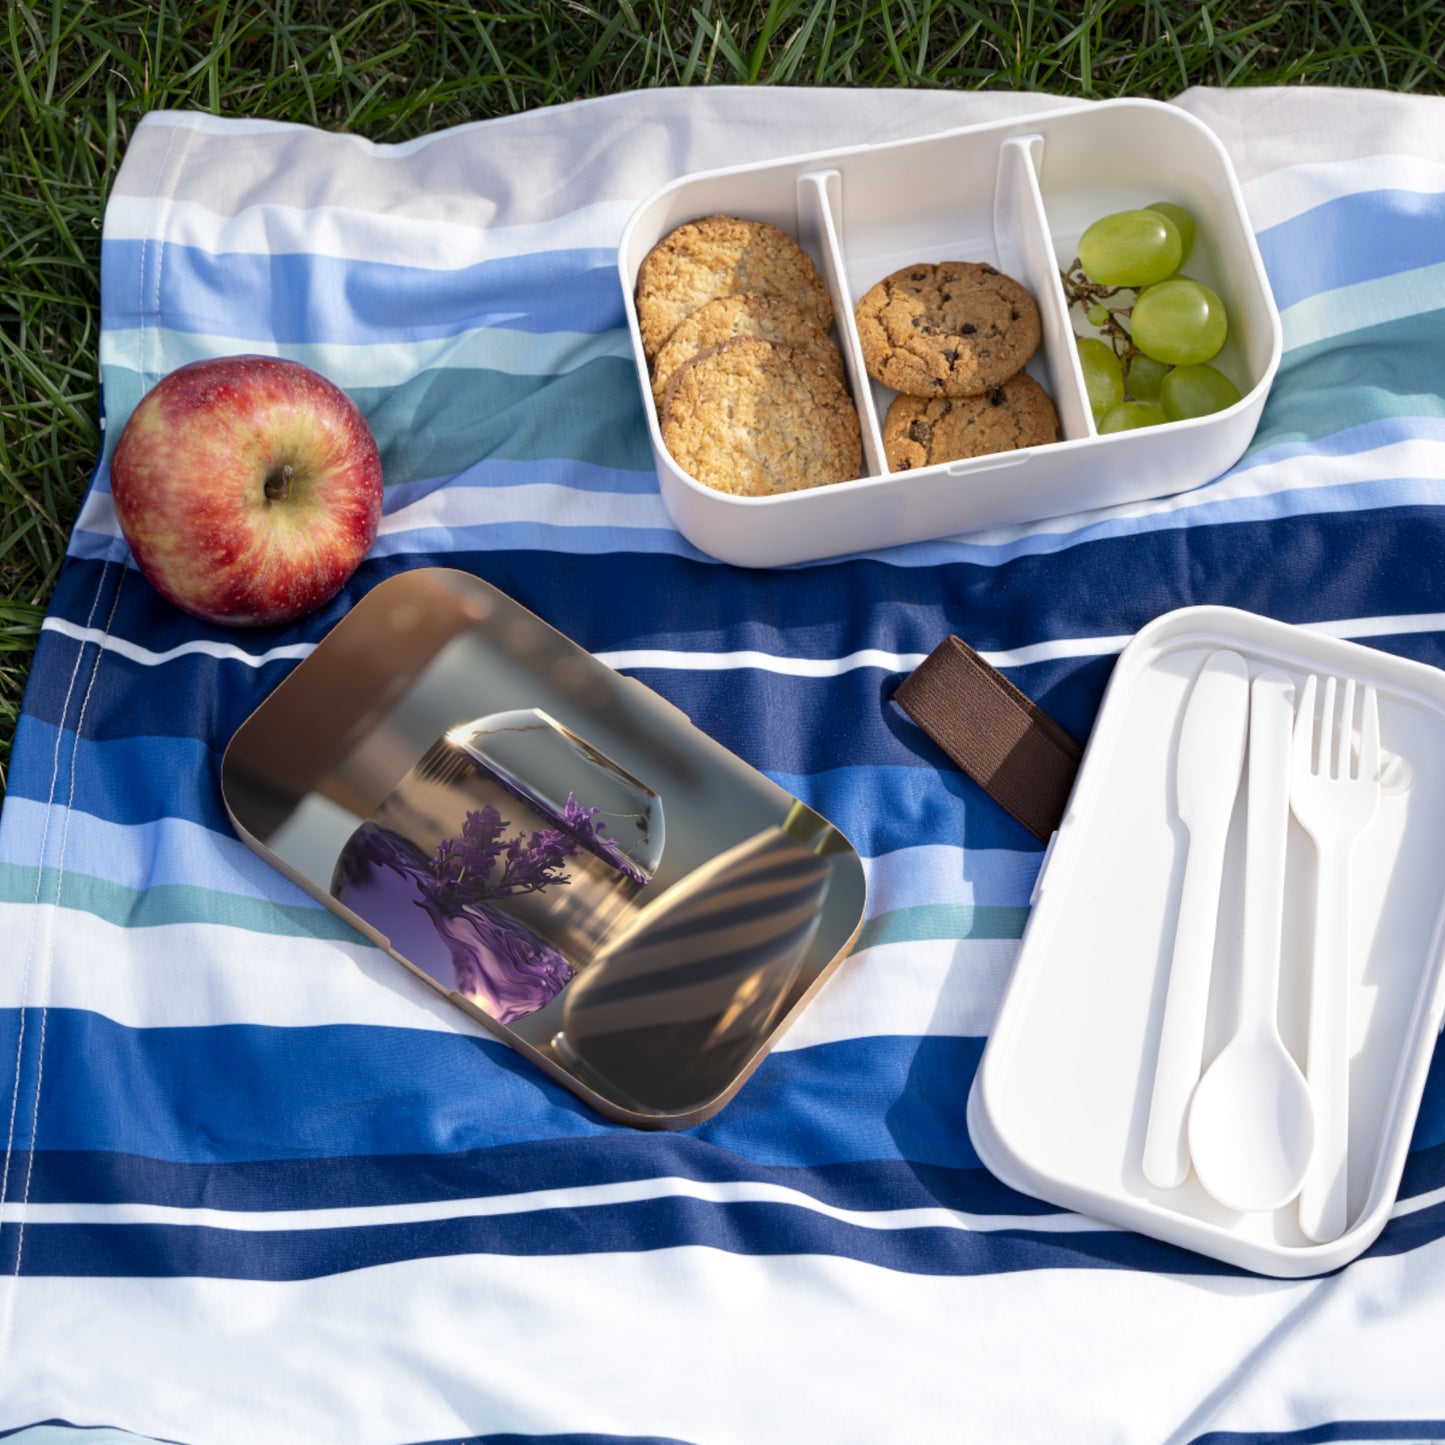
(1086,295)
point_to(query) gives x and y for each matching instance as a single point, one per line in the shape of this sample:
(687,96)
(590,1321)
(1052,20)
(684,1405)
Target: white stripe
(1418,463)
(943,873)
(192,975)
(201,647)
(544,502)
(426,243)
(1418,1202)
(585,1196)
(926,988)
(554,118)
(592,1196)
(696,1343)
(667,659)
(1419,457)
(354,366)
(183,975)
(1284,194)
(1362,305)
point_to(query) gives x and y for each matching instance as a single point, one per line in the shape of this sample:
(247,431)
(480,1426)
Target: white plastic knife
(1210,760)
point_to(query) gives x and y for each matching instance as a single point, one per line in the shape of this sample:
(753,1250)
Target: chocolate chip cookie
(918,432)
(717,256)
(754,418)
(749,313)
(955,328)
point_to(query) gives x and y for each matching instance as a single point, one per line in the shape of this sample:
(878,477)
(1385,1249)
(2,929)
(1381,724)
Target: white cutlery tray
(1017,195)
(1060,1104)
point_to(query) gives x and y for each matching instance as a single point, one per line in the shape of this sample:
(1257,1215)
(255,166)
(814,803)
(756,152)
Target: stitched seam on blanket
(30,952)
(35,922)
(165,192)
(48,970)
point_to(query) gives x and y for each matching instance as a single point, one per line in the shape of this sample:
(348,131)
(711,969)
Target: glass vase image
(504,860)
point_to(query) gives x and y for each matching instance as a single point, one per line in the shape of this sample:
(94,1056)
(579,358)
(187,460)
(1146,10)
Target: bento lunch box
(551,847)
(1061,1104)
(1016,195)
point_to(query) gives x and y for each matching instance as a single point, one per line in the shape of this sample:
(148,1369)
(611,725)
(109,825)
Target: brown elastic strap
(1008,745)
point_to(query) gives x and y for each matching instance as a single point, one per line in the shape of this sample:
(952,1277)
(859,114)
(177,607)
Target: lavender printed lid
(488,881)
(462,784)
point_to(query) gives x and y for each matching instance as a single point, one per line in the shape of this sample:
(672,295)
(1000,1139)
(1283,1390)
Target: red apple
(248,487)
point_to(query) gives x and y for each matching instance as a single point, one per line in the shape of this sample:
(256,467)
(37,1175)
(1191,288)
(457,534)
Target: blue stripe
(755,1229)
(204,696)
(240,1092)
(141,780)
(563,537)
(1349,565)
(50,1431)
(1275,444)
(298,297)
(1283,420)
(161,854)
(1354,238)
(1416,1432)
(72,1177)
(215,1093)
(569,1438)
(879,809)
(127,780)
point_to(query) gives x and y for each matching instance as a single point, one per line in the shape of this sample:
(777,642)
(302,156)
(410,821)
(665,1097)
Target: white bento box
(1061,1103)
(1016,195)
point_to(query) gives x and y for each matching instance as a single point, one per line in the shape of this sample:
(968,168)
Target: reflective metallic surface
(551,845)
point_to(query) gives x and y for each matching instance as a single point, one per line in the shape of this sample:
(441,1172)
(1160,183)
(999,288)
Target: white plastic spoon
(1211,754)
(1251,1121)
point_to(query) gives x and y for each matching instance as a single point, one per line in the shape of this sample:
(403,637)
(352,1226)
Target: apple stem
(278,484)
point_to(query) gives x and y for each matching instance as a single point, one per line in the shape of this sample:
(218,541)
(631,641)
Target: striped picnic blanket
(256,1186)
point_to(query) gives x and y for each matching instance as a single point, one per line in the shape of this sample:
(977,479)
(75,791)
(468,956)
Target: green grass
(76,77)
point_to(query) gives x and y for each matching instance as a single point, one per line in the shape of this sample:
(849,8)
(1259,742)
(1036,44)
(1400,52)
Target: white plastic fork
(1334,795)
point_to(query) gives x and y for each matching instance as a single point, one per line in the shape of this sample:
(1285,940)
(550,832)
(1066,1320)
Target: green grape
(1144,376)
(1103,376)
(1130,248)
(1196,391)
(1098,315)
(1183,223)
(1179,322)
(1131,414)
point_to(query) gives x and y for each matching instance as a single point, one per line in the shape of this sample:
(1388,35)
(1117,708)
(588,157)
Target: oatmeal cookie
(748,313)
(918,432)
(753,418)
(716,256)
(955,328)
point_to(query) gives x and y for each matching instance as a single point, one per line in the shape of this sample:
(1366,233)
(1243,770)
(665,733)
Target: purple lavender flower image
(498,961)
(466,867)
(579,820)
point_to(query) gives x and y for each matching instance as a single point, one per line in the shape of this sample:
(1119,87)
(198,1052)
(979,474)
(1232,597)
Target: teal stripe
(439,423)
(167,903)
(1376,374)
(487,348)
(442,422)
(943,920)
